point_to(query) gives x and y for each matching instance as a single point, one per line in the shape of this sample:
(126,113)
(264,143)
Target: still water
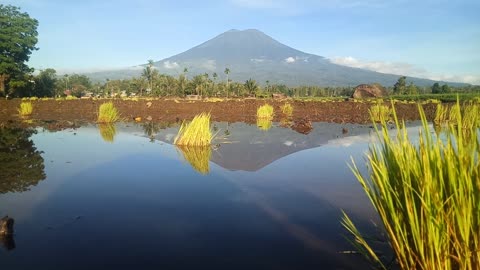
(123,197)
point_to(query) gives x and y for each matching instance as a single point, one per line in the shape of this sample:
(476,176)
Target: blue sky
(435,39)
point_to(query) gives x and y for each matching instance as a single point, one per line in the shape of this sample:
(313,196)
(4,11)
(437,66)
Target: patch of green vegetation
(427,195)
(448,97)
(107,113)
(195,133)
(26,108)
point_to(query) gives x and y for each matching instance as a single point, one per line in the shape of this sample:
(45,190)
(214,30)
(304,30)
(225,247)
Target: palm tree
(227,71)
(251,86)
(148,74)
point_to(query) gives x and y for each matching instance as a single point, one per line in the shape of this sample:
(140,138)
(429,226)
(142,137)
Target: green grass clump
(287,109)
(468,115)
(26,108)
(70,97)
(379,111)
(427,194)
(107,113)
(195,133)
(265,112)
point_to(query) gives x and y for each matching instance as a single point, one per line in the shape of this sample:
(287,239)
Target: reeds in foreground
(107,113)
(195,133)
(107,131)
(265,112)
(427,195)
(198,157)
(26,109)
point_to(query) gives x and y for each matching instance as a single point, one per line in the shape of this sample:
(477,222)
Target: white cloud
(290,60)
(401,68)
(209,64)
(257,60)
(170,65)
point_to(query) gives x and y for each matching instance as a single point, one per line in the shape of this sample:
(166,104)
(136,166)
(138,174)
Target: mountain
(253,54)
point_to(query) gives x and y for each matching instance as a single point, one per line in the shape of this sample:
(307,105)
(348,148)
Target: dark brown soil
(243,110)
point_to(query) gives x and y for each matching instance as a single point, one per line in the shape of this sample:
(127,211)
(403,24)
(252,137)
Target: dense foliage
(18,37)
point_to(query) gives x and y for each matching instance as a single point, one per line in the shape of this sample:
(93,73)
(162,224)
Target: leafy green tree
(22,164)
(45,83)
(400,85)
(18,37)
(412,89)
(446,88)
(436,89)
(79,84)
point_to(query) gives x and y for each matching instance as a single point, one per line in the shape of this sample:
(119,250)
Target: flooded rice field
(123,197)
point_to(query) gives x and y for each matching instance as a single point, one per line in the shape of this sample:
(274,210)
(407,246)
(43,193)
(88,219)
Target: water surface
(123,197)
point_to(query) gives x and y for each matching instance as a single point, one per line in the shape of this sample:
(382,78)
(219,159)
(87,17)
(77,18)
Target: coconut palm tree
(251,86)
(148,73)
(227,71)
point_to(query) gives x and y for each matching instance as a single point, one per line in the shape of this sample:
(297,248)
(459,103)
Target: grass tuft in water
(195,133)
(26,109)
(198,157)
(287,109)
(427,195)
(107,113)
(107,131)
(380,111)
(265,112)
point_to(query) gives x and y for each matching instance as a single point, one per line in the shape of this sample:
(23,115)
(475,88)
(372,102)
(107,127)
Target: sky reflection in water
(123,196)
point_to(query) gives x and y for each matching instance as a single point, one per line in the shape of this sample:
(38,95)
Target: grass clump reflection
(107,131)
(195,133)
(198,157)
(107,113)
(26,109)
(427,195)
(264,124)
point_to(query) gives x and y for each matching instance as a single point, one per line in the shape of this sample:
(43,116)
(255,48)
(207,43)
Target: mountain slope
(253,54)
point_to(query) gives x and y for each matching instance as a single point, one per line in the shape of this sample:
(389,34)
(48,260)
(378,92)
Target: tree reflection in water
(22,165)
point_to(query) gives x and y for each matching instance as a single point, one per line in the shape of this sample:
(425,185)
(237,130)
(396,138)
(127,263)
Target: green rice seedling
(379,111)
(287,109)
(107,131)
(445,115)
(26,108)
(264,124)
(265,112)
(33,98)
(107,113)
(195,133)
(198,157)
(69,97)
(427,194)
